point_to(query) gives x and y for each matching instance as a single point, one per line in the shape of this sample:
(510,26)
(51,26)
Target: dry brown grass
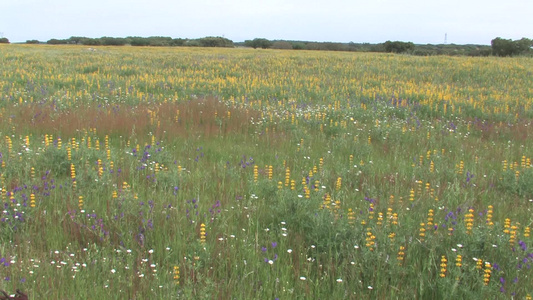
(208,117)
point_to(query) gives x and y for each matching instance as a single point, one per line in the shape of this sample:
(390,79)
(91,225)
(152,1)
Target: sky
(370,21)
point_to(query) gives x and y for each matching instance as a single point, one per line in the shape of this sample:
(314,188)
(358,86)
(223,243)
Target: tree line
(498,47)
(503,47)
(154,41)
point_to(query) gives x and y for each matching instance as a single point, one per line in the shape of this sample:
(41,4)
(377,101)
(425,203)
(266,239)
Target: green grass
(409,173)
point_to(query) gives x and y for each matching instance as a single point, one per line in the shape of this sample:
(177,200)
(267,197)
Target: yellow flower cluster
(443,265)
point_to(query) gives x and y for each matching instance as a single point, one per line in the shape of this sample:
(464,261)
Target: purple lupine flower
(522,245)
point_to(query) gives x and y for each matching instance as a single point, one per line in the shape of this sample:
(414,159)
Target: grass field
(191,173)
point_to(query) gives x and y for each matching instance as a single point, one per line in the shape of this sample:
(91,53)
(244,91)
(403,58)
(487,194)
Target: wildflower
(177,274)
(401,255)
(479,263)
(489,216)
(338,183)
(512,235)
(370,239)
(422,230)
(430,218)
(507,226)
(443,265)
(487,271)
(202,233)
(469,220)
(522,245)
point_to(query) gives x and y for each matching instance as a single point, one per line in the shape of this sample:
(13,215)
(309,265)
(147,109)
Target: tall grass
(237,174)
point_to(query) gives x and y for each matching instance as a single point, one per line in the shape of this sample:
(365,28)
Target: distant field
(194,173)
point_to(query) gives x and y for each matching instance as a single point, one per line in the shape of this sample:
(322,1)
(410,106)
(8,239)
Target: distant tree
(421,52)
(298,45)
(160,41)
(76,40)
(524,45)
(179,42)
(507,47)
(502,47)
(92,42)
(4,40)
(211,41)
(57,42)
(281,45)
(192,43)
(398,47)
(32,42)
(479,52)
(112,41)
(258,43)
(378,48)
(353,47)
(138,41)
(334,46)
(313,46)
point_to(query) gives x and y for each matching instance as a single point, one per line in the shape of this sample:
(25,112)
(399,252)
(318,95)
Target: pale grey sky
(371,21)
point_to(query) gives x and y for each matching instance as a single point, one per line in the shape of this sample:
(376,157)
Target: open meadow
(195,173)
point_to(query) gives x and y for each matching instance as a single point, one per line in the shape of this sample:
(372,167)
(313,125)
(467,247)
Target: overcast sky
(370,21)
